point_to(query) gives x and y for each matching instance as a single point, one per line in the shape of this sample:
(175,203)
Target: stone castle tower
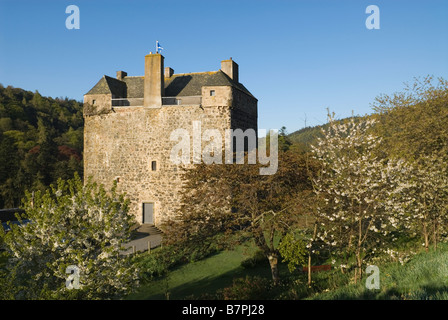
(129,119)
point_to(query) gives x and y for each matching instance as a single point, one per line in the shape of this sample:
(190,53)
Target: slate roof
(108,85)
(184,84)
(190,84)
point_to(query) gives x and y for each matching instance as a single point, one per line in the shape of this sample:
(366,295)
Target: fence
(127,102)
(178,101)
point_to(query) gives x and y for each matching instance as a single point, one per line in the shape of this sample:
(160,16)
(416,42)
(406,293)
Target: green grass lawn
(424,277)
(203,277)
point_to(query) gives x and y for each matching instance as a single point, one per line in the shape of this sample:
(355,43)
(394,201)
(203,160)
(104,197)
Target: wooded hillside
(41,140)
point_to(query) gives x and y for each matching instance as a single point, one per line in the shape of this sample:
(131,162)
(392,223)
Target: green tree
(9,165)
(293,250)
(38,136)
(412,123)
(284,142)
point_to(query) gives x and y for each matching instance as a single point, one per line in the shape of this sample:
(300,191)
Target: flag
(158,47)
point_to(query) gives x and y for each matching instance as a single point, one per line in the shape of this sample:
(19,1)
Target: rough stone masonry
(128,121)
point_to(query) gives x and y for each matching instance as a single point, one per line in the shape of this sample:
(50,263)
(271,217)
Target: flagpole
(157,46)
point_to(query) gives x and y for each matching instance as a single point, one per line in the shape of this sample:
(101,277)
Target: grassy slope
(424,277)
(202,277)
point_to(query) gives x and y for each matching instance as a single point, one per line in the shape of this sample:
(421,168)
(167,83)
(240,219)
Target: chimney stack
(230,68)
(154,84)
(121,75)
(168,72)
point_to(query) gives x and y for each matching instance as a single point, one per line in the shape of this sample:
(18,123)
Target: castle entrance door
(148,213)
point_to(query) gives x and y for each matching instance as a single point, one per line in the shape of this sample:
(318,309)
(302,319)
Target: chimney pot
(121,75)
(230,68)
(168,72)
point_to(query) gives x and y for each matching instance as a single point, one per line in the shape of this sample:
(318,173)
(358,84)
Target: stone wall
(244,111)
(97,104)
(222,97)
(122,145)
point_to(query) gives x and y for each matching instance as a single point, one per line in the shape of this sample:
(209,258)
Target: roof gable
(108,85)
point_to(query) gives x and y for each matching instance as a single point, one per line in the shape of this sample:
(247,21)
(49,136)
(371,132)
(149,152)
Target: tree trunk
(358,270)
(426,236)
(425,226)
(273,262)
(435,234)
(309,255)
(309,270)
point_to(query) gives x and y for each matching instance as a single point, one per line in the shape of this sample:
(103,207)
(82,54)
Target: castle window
(212,93)
(154,165)
(93,101)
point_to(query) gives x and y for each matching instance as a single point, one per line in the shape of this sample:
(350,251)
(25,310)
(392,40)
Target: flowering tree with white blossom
(413,126)
(351,186)
(72,224)
(419,200)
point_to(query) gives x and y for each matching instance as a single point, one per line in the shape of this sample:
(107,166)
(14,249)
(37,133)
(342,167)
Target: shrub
(255,260)
(159,262)
(248,288)
(199,253)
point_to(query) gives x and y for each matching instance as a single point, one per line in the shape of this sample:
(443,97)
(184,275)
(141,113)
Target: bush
(248,288)
(255,260)
(293,251)
(159,262)
(199,253)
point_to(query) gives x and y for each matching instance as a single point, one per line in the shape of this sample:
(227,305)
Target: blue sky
(297,57)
